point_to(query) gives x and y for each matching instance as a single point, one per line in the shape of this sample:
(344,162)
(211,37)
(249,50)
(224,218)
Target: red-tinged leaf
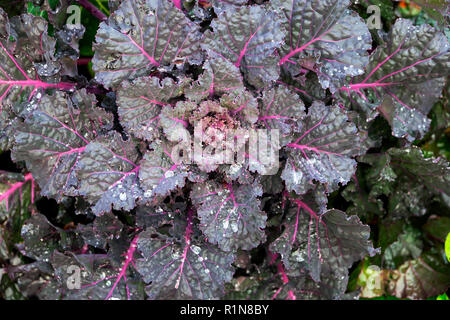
(153,216)
(241,105)
(104,228)
(305,288)
(141,35)
(320,242)
(108,174)
(161,172)
(325,31)
(421,278)
(247,37)
(140,102)
(204,108)
(404,78)
(322,151)
(177,3)
(219,76)
(281,109)
(17,194)
(54,135)
(175,120)
(230,216)
(26,56)
(13,185)
(99,279)
(185,269)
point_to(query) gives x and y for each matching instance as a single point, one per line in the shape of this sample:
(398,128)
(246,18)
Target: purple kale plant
(143,179)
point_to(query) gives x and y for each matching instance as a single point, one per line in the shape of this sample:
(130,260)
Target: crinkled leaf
(219,76)
(321,242)
(140,102)
(26,59)
(186,270)
(153,216)
(237,172)
(174,121)
(54,135)
(140,35)
(202,109)
(222,5)
(281,109)
(103,229)
(404,78)
(230,215)
(241,105)
(322,151)
(328,29)
(306,85)
(216,129)
(108,174)
(160,172)
(247,37)
(99,280)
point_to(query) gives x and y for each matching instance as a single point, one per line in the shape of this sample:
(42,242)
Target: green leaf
(16,196)
(408,245)
(437,227)
(436,9)
(442,297)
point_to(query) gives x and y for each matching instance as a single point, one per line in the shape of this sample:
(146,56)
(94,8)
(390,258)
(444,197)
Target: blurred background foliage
(408,246)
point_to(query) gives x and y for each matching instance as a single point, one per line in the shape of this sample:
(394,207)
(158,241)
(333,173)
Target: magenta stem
(92,9)
(17,186)
(128,259)
(83,61)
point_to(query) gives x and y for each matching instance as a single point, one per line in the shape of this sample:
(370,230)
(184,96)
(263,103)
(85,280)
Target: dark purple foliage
(148,220)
